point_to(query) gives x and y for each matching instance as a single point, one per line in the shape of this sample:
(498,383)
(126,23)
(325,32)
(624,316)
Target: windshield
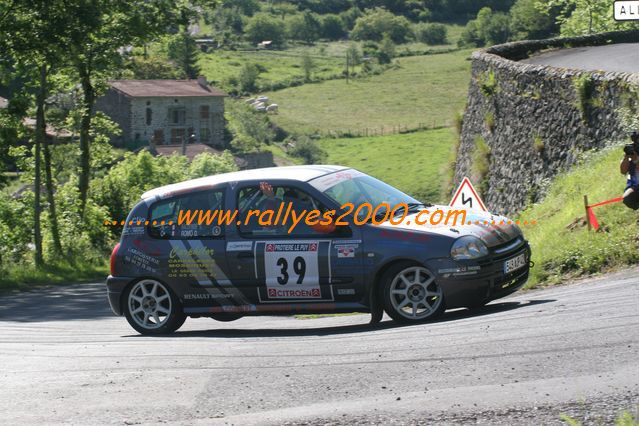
(357,188)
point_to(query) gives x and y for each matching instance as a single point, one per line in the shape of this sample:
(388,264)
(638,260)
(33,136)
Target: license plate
(515,263)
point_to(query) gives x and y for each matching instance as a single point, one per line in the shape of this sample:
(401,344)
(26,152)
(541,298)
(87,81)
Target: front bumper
(482,281)
(115,287)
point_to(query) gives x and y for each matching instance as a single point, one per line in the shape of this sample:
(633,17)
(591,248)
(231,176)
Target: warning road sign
(466,197)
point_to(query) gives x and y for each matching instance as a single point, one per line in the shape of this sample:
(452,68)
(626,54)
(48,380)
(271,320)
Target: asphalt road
(522,360)
(623,57)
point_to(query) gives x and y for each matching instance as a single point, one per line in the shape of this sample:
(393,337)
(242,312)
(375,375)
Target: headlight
(468,247)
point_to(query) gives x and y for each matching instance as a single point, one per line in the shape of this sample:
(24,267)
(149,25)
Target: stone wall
(525,123)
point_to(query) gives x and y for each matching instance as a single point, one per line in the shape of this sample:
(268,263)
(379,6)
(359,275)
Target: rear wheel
(151,308)
(411,294)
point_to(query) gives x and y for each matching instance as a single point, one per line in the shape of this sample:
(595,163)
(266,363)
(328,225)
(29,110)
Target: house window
(149,116)
(177,136)
(177,116)
(205,134)
(204,112)
(158,137)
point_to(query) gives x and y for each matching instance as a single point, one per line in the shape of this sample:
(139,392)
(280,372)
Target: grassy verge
(561,244)
(22,277)
(414,162)
(420,91)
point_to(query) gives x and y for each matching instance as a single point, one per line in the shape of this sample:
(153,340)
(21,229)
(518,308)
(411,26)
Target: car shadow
(454,315)
(56,303)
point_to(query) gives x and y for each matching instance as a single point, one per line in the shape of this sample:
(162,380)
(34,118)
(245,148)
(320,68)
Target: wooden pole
(587,215)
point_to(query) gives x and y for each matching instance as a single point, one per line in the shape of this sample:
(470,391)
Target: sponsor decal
(274,293)
(206,296)
(141,260)
(346,251)
(239,246)
(345,291)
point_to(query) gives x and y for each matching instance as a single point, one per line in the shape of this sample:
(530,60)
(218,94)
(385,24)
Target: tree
(308,66)
(246,7)
(305,27)
(262,27)
(377,22)
(488,28)
(248,77)
(580,17)
(35,57)
(183,51)
(98,30)
(386,51)
(432,34)
(528,22)
(332,27)
(353,58)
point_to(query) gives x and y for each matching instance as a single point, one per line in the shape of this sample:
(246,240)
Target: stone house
(165,112)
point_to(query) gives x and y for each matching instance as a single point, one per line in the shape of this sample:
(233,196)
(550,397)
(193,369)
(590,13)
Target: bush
(332,28)
(304,27)
(432,34)
(528,22)
(308,150)
(248,78)
(377,22)
(386,51)
(263,27)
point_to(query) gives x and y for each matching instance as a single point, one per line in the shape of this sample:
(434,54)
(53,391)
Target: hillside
(415,162)
(561,244)
(421,91)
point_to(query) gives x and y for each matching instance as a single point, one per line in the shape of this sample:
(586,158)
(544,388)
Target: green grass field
(560,250)
(281,65)
(423,90)
(416,162)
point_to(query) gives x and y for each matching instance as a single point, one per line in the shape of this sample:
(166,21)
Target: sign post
(466,197)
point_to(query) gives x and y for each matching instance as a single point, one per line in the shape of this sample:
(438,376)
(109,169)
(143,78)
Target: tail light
(113,255)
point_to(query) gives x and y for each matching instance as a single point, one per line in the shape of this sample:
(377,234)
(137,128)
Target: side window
(271,212)
(191,216)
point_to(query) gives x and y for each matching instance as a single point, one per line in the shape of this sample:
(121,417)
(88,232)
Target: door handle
(246,255)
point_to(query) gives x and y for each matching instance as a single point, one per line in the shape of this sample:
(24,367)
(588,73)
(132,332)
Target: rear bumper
(115,287)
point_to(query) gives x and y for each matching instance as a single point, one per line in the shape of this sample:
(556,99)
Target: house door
(158,137)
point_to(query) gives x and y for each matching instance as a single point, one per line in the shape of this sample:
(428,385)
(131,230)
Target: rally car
(165,269)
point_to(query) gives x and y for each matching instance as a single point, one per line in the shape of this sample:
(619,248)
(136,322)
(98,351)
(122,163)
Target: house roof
(3,102)
(192,149)
(165,88)
(50,130)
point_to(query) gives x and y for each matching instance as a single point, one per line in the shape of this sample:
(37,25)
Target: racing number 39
(291,269)
(299,267)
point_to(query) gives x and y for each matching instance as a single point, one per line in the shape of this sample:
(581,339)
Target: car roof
(298,173)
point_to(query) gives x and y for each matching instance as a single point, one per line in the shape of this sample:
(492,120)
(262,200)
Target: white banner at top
(627,11)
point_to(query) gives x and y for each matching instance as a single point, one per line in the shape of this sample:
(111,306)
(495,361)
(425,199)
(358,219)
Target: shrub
(248,78)
(332,27)
(432,34)
(304,27)
(481,164)
(263,27)
(308,150)
(378,22)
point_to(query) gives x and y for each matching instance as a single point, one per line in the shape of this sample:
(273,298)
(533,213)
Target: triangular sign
(466,197)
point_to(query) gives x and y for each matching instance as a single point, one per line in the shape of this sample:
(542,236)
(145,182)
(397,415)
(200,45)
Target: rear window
(164,216)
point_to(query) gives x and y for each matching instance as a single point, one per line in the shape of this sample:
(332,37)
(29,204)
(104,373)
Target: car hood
(492,233)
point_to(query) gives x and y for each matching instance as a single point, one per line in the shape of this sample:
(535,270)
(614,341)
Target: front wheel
(151,308)
(411,294)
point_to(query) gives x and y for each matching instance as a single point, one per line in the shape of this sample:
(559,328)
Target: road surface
(623,57)
(526,359)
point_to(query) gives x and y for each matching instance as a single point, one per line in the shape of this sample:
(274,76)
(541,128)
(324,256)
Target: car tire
(151,308)
(411,294)
(226,317)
